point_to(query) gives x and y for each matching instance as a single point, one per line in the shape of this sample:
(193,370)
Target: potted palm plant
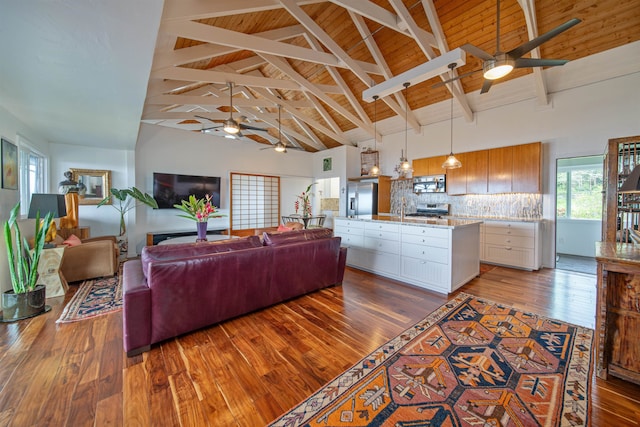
(123,201)
(26,298)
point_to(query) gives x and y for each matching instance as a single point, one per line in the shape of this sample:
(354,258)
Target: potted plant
(27,298)
(126,200)
(199,210)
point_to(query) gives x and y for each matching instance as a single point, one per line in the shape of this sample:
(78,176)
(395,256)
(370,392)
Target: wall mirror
(93,185)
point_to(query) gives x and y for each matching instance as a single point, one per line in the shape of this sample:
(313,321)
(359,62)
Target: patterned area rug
(469,363)
(93,298)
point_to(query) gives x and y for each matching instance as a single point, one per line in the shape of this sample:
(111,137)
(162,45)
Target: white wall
(162,149)
(104,220)
(578,122)
(576,237)
(11,128)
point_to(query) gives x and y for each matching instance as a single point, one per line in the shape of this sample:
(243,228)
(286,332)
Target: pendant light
(375,170)
(404,163)
(279,146)
(451,162)
(230,125)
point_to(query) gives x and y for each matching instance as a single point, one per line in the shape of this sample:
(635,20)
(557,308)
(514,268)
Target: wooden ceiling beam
(341,83)
(215,35)
(189,10)
(382,16)
(454,87)
(337,136)
(426,48)
(325,39)
(369,41)
(529,8)
(178,73)
(287,69)
(215,101)
(207,51)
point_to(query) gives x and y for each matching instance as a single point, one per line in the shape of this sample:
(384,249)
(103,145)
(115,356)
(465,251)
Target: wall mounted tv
(170,189)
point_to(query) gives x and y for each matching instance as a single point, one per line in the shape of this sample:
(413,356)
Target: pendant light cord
(375,122)
(406,115)
(451,125)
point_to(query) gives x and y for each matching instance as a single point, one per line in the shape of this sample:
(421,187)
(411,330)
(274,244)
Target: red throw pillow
(284,228)
(72,240)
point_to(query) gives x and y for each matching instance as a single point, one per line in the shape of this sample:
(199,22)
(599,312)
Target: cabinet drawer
(382,262)
(351,241)
(425,231)
(510,241)
(382,234)
(524,229)
(382,245)
(382,226)
(427,253)
(435,276)
(345,229)
(512,256)
(348,223)
(437,242)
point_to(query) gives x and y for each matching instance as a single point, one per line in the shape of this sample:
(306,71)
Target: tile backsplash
(507,205)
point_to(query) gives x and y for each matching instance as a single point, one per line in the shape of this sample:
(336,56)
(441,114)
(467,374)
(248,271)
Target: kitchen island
(436,254)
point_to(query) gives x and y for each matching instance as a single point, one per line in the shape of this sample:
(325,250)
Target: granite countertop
(494,218)
(418,221)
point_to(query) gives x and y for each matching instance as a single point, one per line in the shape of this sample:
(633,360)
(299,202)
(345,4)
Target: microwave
(429,184)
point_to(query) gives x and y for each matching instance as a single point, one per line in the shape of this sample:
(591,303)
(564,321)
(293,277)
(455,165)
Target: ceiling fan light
(496,68)
(231,126)
(280,148)
(451,163)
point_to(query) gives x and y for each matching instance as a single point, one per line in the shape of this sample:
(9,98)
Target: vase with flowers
(303,199)
(199,210)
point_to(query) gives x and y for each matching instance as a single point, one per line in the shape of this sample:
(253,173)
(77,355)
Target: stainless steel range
(431,210)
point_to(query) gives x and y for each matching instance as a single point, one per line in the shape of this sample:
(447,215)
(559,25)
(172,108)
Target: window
(579,188)
(32,173)
(255,201)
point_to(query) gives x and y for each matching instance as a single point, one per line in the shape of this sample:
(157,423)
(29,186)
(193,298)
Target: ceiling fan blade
(476,51)
(456,78)
(532,44)
(249,127)
(206,118)
(535,62)
(486,85)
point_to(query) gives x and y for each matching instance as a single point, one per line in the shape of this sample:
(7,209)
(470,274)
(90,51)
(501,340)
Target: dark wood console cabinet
(618,311)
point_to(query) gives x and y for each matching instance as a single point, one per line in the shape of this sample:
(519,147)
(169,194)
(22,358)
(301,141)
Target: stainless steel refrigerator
(362,199)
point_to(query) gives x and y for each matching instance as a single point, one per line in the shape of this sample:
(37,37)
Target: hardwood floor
(248,371)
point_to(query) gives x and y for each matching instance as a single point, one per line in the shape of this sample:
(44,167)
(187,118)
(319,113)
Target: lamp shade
(45,203)
(632,183)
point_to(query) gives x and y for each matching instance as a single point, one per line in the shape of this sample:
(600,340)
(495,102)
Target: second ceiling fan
(502,63)
(231,126)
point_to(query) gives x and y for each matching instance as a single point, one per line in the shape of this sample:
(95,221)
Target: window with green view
(579,188)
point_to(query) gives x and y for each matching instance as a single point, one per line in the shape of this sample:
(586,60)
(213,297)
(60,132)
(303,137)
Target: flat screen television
(170,189)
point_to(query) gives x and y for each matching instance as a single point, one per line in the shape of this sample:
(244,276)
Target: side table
(49,272)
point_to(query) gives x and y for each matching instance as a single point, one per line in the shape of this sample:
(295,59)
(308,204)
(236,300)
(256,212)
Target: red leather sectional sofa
(175,289)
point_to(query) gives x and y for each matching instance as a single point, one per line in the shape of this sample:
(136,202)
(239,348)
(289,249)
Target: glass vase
(202,231)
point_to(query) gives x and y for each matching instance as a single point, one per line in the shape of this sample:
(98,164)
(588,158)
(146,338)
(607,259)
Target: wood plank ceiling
(315,58)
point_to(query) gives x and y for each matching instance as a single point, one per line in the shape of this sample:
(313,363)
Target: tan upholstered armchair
(95,257)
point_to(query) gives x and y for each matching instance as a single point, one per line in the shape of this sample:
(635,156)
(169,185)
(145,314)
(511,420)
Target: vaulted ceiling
(315,59)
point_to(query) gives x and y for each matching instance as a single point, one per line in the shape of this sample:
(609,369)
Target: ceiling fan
(281,147)
(231,126)
(502,63)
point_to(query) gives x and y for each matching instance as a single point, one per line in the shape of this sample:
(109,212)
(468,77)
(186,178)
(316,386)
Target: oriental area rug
(93,298)
(471,362)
